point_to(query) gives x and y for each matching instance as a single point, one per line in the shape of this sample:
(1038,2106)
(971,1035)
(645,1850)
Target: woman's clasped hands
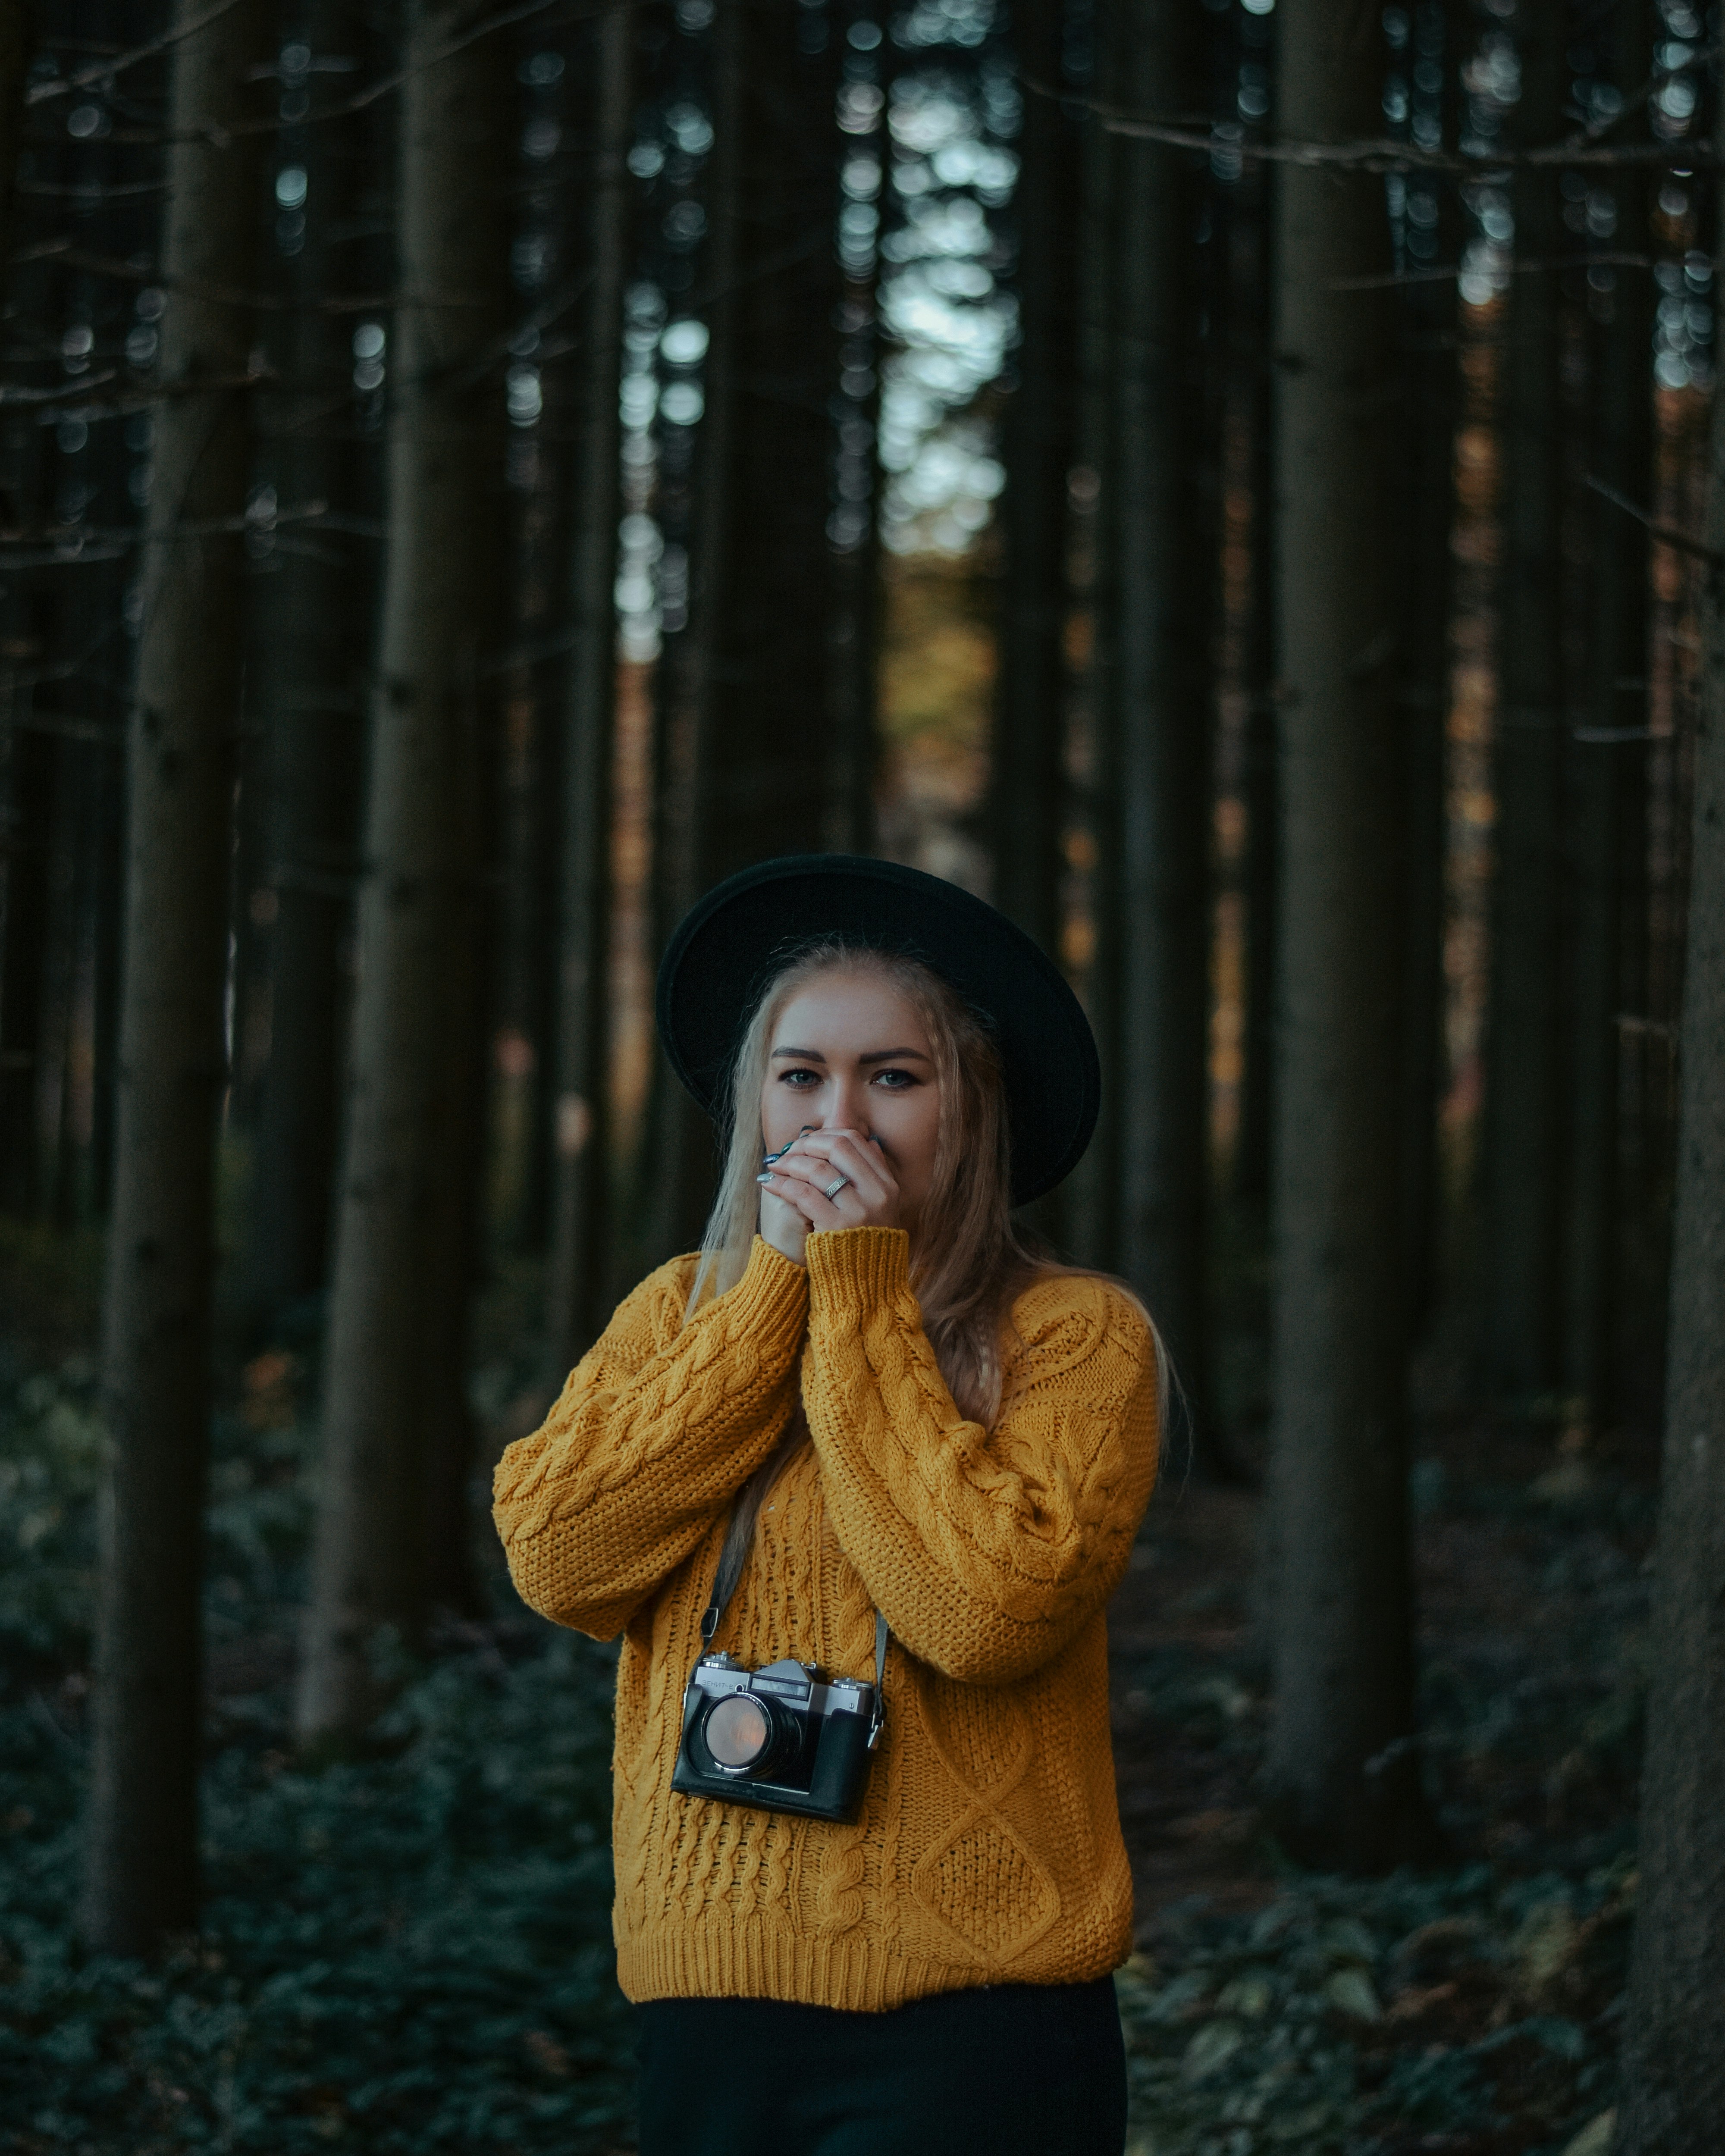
(825,1179)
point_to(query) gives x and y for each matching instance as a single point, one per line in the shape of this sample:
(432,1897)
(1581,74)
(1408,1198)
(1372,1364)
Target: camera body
(782,1739)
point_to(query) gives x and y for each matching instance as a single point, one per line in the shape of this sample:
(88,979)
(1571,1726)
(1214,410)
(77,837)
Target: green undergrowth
(406,1952)
(1459,2011)
(409,1952)
(403,1953)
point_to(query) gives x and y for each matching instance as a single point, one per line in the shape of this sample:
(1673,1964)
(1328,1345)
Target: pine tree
(1340,1768)
(1521,1134)
(1159,727)
(140,1879)
(1674,2064)
(394,1398)
(311,598)
(575,1279)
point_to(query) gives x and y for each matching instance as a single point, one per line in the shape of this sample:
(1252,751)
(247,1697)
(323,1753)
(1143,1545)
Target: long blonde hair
(969,1262)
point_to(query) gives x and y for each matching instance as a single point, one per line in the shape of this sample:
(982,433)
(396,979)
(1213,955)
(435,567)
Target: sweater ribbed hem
(856,1269)
(738,1959)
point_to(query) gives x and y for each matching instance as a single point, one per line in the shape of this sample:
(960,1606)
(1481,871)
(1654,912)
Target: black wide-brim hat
(746,929)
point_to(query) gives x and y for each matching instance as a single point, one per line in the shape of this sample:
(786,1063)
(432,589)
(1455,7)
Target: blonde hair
(969,1262)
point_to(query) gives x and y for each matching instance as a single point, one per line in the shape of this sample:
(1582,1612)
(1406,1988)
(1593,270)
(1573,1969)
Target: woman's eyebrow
(871,1055)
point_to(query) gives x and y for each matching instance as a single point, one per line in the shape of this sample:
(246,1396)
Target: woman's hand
(796,1183)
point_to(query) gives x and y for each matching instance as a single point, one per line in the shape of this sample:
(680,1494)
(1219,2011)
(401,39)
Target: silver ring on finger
(835,1186)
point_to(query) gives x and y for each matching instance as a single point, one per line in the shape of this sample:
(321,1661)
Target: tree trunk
(1522,1139)
(676,1158)
(59,959)
(141,1852)
(311,594)
(1249,1182)
(1428,422)
(581,1134)
(1161,589)
(1089,1201)
(1605,779)
(1674,2064)
(18,40)
(770,582)
(28,766)
(394,1368)
(1341,1770)
(1027,785)
(746,764)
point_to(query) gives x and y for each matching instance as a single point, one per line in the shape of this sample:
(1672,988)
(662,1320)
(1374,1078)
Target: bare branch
(105,70)
(1445,273)
(114,265)
(60,392)
(1382,154)
(1667,535)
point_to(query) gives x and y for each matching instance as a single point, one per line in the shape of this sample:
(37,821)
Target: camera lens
(738,1732)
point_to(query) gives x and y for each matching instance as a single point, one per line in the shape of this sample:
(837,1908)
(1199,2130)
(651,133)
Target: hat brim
(734,940)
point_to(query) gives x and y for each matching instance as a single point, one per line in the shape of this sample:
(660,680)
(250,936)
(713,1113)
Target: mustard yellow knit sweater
(988,1849)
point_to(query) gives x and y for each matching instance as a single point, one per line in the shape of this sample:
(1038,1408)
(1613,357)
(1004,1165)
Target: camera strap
(719,1601)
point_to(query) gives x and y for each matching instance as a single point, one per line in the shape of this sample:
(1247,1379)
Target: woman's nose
(845,1107)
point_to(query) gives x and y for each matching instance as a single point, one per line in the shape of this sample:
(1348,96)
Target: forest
(1235,482)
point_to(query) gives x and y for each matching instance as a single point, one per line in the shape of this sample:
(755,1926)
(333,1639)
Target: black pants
(1014,2070)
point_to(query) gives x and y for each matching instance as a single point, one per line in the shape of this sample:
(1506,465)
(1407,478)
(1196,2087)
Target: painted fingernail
(764,1178)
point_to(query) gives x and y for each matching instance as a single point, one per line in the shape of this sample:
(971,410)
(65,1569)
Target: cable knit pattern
(988,1847)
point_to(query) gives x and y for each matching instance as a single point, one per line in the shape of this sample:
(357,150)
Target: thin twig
(89,191)
(1667,534)
(1521,266)
(111,540)
(60,392)
(1381,154)
(114,265)
(1702,56)
(105,70)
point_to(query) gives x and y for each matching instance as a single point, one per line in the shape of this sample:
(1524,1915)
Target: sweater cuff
(770,1303)
(856,1269)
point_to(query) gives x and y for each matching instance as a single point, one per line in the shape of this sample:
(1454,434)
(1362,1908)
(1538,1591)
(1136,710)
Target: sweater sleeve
(986,1551)
(659,1426)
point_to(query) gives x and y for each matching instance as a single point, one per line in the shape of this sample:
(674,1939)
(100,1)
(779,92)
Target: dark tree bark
(53,1053)
(768,583)
(676,1157)
(1089,1212)
(1674,2064)
(311,594)
(581,1137)
(141,1876)
(1521,1137)
(1028,798)
(1605,778)
(1251,1180)
(1430,411)
(27,762)
(745,757)
(18,41)
(1161,590)
(395,1367)
(1340,1769)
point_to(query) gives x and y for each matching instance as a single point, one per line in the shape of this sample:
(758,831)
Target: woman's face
(850,1053)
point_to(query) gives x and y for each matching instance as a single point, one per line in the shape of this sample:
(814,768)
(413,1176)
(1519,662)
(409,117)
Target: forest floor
(409,1952)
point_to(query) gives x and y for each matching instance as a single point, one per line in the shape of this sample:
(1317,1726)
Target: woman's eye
(794,1079)
(895,1081)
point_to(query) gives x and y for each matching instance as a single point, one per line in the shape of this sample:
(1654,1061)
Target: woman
(864,1413)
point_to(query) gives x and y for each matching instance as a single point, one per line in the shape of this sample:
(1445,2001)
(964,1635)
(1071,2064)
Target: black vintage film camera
(782,1739)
